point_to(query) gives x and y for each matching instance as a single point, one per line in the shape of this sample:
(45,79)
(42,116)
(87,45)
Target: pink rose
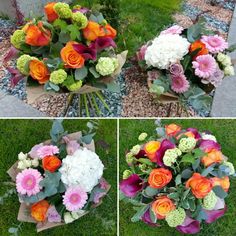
(176,29)
(48,150)
(34,151)
(176,69)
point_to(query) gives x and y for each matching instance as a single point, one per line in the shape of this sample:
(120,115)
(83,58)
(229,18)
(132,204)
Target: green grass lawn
(224,130)
(21,135)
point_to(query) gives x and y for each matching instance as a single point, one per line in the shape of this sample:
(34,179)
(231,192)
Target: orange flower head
(110,32)
(159,178)
(37,35)
(214,156)
(50,12)
(198,45)
(39,71)
(93,31)
(199,185)
(39,210)
(162,206)
(51,163)
(71,58)
(151,148)
(223,182)
(189,134)
(172,129)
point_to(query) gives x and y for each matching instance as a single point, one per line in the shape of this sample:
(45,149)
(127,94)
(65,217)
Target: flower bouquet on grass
(186,65)
(70,50)
(59,180)
(179,177)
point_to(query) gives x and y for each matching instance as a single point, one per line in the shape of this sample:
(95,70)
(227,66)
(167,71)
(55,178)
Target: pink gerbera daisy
(48,150)
(180,83)
(215,44)
(204,66)
(27,182)
(75,198)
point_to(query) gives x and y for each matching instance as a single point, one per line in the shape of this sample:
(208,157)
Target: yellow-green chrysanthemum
(63,10)
(75,86)
(22,62)
(18,38)
(80,19)
(176,217)
(58,76)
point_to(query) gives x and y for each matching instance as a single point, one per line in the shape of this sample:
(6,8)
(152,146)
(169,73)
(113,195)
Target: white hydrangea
(83,168)
(209,137)
(171,156)
(166,50)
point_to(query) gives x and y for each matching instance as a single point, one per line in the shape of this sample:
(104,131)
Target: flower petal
(209,145)
(86,52)
(165,145)
(146,218)
(195,132)
(214,215)
(190,226)
(104,42)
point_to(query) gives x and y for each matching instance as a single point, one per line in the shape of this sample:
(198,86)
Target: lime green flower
(229,71)
(209,201)
(58,76)
(187,144)
(107,66)
(143,167)
(135,149)
(63,10)
(18,38)
(142,136)
(129,158)
(75,86)
(171,156)
(176,217)
(231,167)
(80,19)
(126,174)
(22,62)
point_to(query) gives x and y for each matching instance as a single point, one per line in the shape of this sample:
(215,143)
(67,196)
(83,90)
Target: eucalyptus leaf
(196,164)
(81,73)
(187,173)
(152,216)
(219,191)
(140,212)
(145,161)
(194,32)
(93,71)
(207,171)
(113,87)
(174,196)
(151,192)
(178,179)
(188,158)
(87,139)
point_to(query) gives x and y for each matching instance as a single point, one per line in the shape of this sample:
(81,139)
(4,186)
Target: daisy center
(74,198)
(29,182)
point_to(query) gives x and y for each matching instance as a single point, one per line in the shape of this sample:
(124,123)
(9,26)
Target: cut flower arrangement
(60,180)
(186,65)
(70,49)
(179,177)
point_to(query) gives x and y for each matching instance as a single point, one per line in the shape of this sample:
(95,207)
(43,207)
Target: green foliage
(81,74)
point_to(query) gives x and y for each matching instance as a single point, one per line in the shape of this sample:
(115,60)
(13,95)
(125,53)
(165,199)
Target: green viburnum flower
(107,66)
(21,64)
(63,10)
(187,144)
(80,19)
(127,174)
(18,38)
(231,167)
(75,86)
(176,217)
(209,201)
(143,167)
(135,149)
(58,76)
(142,136)
(171,156)
(129,158)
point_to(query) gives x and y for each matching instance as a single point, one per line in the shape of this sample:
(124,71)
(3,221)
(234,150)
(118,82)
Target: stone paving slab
(11,106)
(224,103)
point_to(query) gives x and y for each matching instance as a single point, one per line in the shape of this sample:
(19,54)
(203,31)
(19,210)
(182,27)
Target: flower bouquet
(186,65)
(180,177)
(59,180)
(70,50)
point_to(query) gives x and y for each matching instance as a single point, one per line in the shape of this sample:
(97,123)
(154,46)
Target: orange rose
(51,163)
(213,156)
(39,210)
(223,182)
(151,148)
(162,206)
(172,129)
(37,35)
(188,134)
(71,58)
(110,32)
(93,31)
(199,185)
(39,71)
(159,178)
(199,45)
(50,12)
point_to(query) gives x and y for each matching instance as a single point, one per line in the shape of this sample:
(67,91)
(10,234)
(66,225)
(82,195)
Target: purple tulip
(195,132)
(131,186)
(146,218)
(165,145)
(141,154)
(190,226)
(86,52)
(104,42)
(214,215)
(208,145)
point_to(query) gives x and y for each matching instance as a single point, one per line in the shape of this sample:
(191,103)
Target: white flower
(171,156)
(83,168)
(68,218)
(35,162)
(221,57)
(27,163)
(227,61)
(135,150)
(21,165)
(230,166)
(166,50)
(209,137)
(76,215)
(229,70)
(22,156)
(142,136)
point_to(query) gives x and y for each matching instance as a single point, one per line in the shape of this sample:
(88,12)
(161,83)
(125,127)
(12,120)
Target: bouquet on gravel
(180,177)
(60,180)
(70,49)
(186,65)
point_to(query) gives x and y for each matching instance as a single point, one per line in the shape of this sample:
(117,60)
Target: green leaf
(152,216)
(87,139)
(145,161)
(157,89)
(160,132)
(54,87)
(196,164)
(74,31)
(60,23)
(57,130)
(219,191)
(151,192)
(187,173)
(178,179)
(188,158)
(174,196)
(232,48)
(113,87)
(81,74)
(93,71)
(185,194)
(208,170)
(194,32)
(12,230)
(192,204)
(64,37)
(140,213)
(198,153)
(185,204)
